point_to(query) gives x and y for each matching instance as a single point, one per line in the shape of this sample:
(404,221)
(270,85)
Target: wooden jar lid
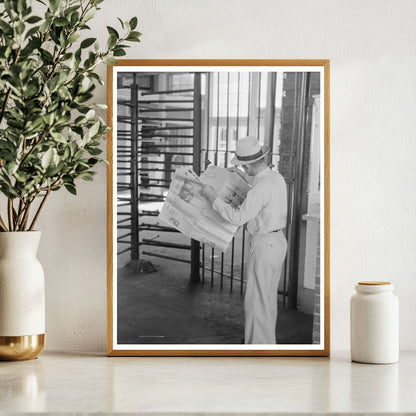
(374,283)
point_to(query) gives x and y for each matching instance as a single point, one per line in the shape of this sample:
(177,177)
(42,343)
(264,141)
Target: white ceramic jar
(374,323)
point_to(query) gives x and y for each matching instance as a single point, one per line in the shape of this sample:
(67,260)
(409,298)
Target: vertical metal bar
(212,267)
(259,108)
(242,261)
(228,121)
(218,118)
(208,92)
(248,103)
(203,263)
(290,190)
(297,218)
(238,122)
(195,245)
(226,157)
(238,105)
(222,270)
(244,229)
(270,110)
(134,177)
(232,262)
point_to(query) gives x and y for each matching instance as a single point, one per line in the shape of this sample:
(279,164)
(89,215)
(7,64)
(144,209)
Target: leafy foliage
(49,132)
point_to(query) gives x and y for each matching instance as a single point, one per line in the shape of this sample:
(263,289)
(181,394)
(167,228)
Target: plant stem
(39,209)
(2,224)
(36,144)
(10,213)
(20,212)
(26,216)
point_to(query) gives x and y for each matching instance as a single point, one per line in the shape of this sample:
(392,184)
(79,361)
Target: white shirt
(265,207)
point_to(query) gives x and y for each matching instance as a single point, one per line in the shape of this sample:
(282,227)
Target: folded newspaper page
(189,212)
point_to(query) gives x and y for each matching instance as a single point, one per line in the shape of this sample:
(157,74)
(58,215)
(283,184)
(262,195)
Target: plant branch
(36,144)
(2,224)
(10,213)
(39,210)
(18,218)
(26,216)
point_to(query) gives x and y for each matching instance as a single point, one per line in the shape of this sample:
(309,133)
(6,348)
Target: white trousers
(267,254)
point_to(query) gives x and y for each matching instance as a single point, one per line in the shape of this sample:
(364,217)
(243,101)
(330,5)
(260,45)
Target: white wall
(373,146)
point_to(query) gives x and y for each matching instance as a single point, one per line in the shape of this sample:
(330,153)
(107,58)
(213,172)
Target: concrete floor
(163,307)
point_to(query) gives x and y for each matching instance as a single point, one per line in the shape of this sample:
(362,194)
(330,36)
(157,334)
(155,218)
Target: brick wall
(316,331)
(289,116)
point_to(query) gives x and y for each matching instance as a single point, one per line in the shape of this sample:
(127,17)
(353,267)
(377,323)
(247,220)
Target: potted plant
(50,136)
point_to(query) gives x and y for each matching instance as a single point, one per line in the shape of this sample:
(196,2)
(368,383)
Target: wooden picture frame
(289,101)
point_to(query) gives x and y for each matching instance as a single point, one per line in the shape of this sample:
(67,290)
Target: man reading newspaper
(264,211)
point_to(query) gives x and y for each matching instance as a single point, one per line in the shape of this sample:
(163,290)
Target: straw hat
(248,150)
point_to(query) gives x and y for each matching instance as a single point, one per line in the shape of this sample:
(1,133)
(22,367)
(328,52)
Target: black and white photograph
(218,230)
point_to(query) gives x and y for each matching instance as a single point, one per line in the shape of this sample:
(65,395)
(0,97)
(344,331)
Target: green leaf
(52,171)
(119,51)
(94,129)
(54,4)
(34,19)
(86,176)
(58,137)
(111,30)
(21,6)
(10,8)
(61,21)
(74,18)
(31,90)
(94,151)
(133,23)
(48,118)
(112,41)
(7,30)
(20,28)
(35,125)
(73,38)
(70,188)
(110,60)
(10,168)
(47,158)
(134,37)
(90,114)
(123,25)
(87,42)
(21,176)
(67,153)
(63,41)
(46,56)
(88,16)
(8,191)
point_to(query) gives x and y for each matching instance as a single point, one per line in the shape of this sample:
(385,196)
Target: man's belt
(266,233)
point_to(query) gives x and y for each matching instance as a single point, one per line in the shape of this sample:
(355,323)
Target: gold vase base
(21,348)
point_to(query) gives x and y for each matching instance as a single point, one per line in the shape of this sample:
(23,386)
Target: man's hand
(208,192)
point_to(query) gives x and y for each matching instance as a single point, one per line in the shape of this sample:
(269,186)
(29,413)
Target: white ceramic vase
(22,296)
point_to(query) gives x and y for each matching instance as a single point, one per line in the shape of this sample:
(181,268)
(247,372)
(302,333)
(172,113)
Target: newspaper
(189,212)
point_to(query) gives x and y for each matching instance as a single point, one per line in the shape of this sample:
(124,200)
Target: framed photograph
(218,208)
